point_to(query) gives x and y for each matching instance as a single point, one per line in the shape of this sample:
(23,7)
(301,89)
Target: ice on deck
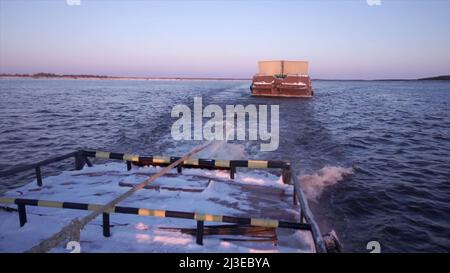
(256,194)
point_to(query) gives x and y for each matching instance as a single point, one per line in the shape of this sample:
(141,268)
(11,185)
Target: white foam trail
(314,184)
(224,150)
(221,149)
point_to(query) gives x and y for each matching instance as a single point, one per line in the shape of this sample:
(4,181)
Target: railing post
(232,171)
(79,161)
(106,225)
(294,196)
(88,162)
(286,174)
(200,232)
(22,214)
(38,176)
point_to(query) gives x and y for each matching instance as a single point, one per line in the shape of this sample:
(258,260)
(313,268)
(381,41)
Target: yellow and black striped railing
(193,162)
(199,217)
(82,158)
(190,163)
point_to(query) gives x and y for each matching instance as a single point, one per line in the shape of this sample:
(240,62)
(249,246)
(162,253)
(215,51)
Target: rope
(73,229)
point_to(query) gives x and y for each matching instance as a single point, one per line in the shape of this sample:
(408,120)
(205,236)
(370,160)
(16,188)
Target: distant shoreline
(104,77)
(437,78)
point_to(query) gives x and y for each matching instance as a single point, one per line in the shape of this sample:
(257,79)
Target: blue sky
(340,39)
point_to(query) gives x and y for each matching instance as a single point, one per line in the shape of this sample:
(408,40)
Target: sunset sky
(340,39)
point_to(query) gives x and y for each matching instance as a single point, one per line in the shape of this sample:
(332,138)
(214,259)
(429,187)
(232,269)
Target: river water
(374,156)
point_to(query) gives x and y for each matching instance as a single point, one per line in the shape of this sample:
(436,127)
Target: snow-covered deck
(251,194)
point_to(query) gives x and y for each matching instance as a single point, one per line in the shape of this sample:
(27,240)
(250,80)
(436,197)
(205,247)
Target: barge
(282,79)
(203,205)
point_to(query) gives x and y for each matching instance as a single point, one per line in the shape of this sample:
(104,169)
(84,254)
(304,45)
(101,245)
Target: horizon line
(95,76)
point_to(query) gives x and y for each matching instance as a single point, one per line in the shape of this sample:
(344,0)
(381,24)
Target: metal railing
(199,217)
(81,157)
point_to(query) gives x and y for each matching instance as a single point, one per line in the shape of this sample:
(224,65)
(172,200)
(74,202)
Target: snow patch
(131,233)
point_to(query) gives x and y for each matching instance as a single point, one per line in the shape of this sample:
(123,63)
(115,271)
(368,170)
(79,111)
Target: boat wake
(224,150)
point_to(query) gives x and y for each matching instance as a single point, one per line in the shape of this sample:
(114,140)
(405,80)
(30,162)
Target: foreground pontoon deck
(203,206)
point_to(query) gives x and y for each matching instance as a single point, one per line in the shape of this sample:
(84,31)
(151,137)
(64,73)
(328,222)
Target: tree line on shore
(53,75)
